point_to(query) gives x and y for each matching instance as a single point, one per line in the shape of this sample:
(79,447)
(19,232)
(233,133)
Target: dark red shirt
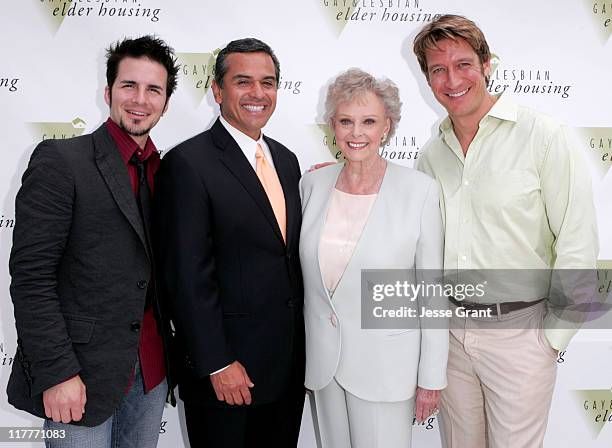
(150,349)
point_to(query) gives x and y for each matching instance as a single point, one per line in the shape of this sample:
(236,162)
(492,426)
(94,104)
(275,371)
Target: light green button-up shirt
(520,198)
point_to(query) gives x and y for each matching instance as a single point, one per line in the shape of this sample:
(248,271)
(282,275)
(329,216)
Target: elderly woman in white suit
(367,213)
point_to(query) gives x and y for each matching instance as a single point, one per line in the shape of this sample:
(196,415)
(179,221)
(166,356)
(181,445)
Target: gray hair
(355,82)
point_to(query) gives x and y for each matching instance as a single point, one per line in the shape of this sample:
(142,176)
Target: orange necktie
(272,186)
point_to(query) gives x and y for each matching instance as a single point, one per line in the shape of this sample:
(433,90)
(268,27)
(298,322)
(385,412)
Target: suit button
(135,326)
(333,320)
(142,284)
(288,256)
(290,303)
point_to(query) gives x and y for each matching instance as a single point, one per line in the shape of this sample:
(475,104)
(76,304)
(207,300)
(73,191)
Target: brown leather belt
(495,308)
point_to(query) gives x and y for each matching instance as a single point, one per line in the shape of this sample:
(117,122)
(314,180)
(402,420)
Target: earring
(384,137)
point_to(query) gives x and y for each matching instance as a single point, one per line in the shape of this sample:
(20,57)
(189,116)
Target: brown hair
(450,27)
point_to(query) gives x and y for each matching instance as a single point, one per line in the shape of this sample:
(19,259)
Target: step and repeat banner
(552,55)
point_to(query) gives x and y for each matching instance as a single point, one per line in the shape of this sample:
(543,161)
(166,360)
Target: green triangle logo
(494,61)
(329,139)
(601,17)
(597,143)
(197,72)
(604,280)
(57,130)
(53,12)
(597,408)
(336,14)
(604,264)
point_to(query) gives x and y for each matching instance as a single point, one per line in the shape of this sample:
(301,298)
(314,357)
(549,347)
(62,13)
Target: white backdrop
(554,55)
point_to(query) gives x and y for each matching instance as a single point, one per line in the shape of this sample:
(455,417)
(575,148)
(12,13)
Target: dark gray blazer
(80,272)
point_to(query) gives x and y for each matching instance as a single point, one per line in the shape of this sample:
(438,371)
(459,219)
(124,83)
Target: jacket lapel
(235,161)
(115,175)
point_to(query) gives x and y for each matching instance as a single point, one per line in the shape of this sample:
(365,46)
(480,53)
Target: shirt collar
(246,143)
(127,146)
(241,138)
(505,108)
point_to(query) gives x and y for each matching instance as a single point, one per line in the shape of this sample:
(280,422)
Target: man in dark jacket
(230,219)
(90,352)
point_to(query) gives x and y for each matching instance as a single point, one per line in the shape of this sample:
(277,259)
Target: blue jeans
(134,424)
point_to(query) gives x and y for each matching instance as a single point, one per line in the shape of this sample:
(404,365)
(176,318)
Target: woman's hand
(426,403)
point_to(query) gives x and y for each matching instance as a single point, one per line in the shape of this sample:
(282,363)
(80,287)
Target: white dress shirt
(247,144)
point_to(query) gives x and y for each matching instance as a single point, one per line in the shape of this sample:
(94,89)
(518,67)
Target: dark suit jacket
(80,272)
(235,287)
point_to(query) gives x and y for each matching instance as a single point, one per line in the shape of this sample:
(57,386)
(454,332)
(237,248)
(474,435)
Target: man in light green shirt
(516,195)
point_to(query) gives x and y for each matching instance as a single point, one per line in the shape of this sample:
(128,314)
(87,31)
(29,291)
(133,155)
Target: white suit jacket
(403,231)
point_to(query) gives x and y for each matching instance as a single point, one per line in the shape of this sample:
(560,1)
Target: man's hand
(320,165)
(232,384)
(65,402)
(426,403)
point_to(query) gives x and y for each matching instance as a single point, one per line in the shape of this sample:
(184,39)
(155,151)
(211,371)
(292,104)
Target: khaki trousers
(501,376)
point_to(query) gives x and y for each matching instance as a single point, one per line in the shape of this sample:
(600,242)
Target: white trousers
(343,420)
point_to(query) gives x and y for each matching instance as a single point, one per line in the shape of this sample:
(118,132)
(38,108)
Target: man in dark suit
(90,352)
(229,226)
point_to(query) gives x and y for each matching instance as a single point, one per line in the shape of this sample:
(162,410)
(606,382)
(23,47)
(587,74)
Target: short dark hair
(150,47)
(247,45)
